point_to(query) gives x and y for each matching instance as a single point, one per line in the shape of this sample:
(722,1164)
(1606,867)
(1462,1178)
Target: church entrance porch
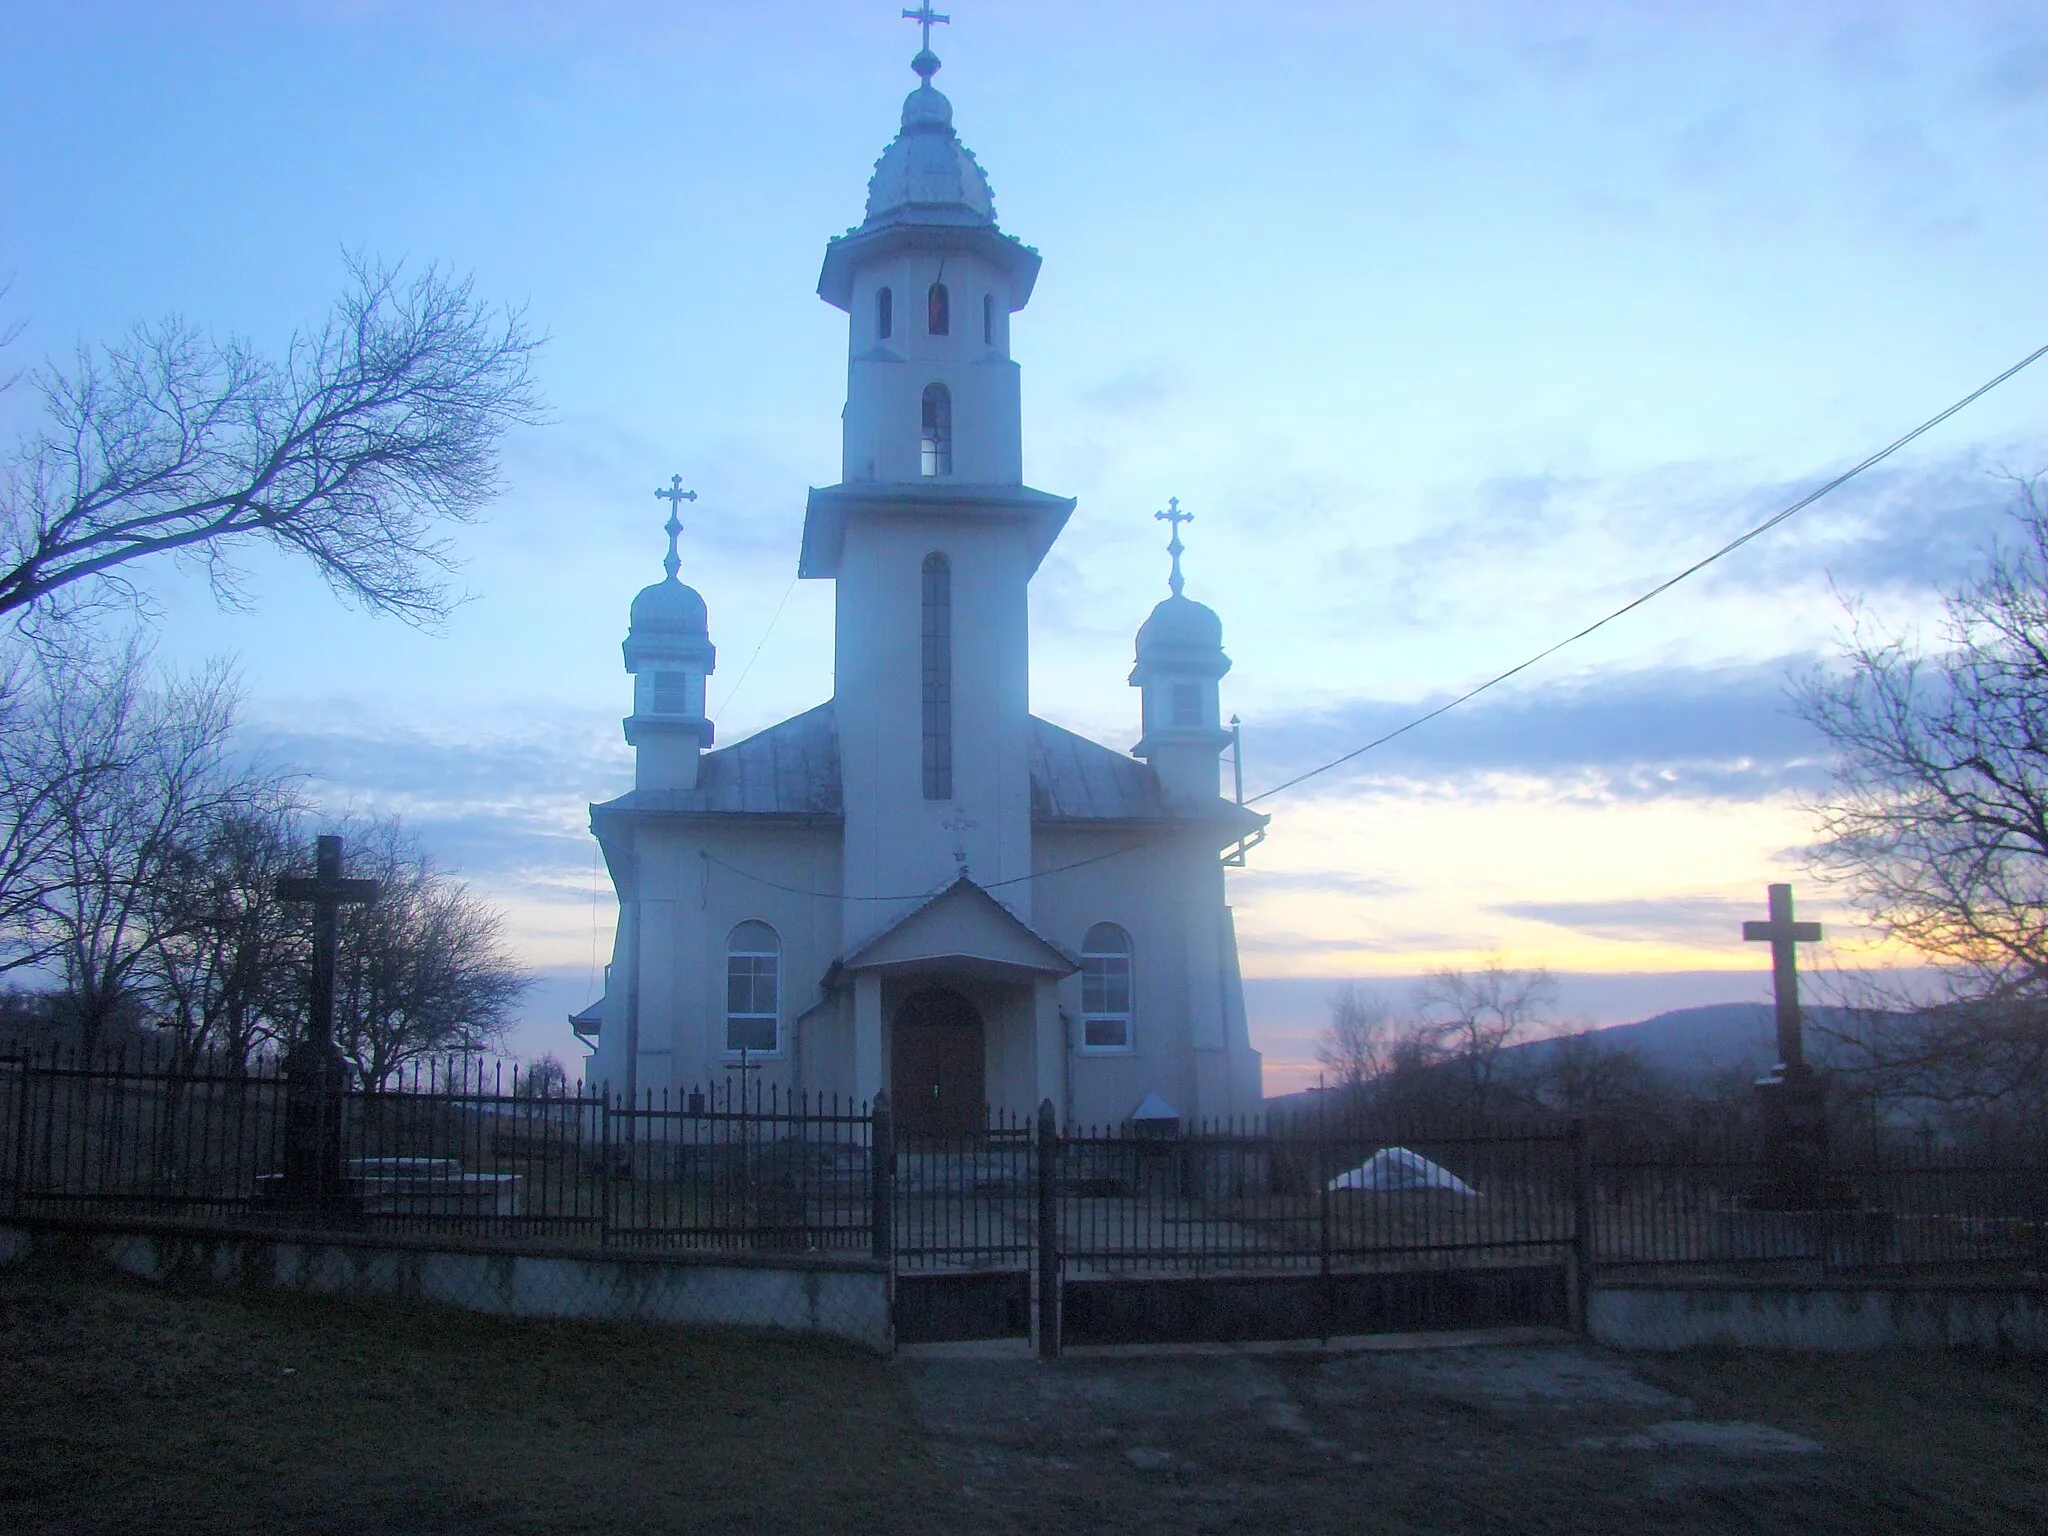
(938,1065)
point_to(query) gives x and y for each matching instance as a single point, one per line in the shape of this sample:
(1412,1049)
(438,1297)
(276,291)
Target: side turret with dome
(669,654)
(1180,661)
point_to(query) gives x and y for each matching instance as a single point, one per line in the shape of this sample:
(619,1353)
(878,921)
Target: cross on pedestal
(1793,1097)
(1784,935)
(316,1077)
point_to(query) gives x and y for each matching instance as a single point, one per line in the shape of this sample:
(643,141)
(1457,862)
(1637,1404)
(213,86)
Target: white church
(919,886)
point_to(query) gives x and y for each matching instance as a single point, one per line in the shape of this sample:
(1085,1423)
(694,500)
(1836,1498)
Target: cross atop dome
(1175,517)
(926,63)
(675,496)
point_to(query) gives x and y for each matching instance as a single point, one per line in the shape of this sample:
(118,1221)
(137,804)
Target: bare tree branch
(356,450)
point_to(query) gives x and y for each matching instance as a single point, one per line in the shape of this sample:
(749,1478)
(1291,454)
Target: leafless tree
(143,762)
(1937,824)
(222,941)
(1470,1017)
(1358,1044)
(376,430)
(424,970)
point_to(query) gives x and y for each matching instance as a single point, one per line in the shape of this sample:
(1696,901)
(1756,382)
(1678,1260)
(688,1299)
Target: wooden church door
(938,1081)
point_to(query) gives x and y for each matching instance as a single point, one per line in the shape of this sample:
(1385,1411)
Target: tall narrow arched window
(885,313)
(938,311)
(938,678)
(1106,989)
(753,989)
(988,319)
(936,446)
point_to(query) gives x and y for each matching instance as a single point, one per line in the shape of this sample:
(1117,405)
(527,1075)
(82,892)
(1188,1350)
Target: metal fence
(466,1150)
(455,1148)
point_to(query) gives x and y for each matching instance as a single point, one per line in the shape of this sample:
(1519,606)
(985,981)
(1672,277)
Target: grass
(128,1409)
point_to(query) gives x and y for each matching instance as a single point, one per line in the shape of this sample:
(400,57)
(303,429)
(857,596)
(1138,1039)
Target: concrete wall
(844,1298)
(1836,1316)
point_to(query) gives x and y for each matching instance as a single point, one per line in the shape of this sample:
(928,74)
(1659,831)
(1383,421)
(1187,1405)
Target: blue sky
(1454,326)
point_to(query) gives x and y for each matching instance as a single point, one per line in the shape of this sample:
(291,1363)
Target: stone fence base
(1819,1315)
(838,1297)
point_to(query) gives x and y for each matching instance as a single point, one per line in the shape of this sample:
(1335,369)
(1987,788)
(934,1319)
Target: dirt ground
(128,1409)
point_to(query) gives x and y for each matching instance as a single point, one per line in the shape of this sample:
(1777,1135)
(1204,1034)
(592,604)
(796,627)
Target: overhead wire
(1666,585)
(1773,521)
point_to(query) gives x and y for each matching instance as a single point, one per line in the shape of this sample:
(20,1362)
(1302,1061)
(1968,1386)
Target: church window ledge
(1106,991)
(753,989)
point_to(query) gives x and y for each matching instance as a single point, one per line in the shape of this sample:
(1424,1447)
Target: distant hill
(1690,1043)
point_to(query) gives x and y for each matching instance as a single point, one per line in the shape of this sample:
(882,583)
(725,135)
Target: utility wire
(726,703)
(1664,586)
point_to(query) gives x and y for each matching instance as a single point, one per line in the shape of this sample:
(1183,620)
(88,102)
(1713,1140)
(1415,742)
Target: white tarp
(1398,1168)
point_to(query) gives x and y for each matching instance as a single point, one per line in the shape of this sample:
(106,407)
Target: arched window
(938,678)
(937,443)
(885,313)
(1106,989)
(938,312)
(753,990)
(988,319)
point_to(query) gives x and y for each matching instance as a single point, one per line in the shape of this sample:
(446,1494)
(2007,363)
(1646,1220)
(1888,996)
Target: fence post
(882,1179)
(1326,1293)
(1048,1232)
(21,1141)
(1582,1222)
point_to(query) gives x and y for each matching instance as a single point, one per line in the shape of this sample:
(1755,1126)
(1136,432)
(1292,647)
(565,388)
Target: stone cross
(1783,934)
(926,18)
(675,496)
(1174,517)
(329,893)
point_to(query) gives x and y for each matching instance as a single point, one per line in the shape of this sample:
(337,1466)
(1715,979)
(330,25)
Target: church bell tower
(931,534)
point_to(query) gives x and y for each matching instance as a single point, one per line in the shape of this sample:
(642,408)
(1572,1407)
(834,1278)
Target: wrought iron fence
(453,1148)
(480,1152)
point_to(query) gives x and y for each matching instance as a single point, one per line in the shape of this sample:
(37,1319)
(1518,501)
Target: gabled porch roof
(964,930)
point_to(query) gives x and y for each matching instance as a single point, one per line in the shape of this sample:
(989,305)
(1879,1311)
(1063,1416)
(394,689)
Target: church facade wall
(898,842)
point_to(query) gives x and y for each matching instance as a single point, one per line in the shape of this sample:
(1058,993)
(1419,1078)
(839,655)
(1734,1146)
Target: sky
(1454,326)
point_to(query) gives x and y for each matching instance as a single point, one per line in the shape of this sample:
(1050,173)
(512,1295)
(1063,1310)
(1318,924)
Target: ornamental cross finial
(675,496)
(926,63)
(1175,517)
(960,824)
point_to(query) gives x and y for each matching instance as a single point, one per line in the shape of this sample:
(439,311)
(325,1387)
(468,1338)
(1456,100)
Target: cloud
(1322,881)
(1705,732)
(1669,919)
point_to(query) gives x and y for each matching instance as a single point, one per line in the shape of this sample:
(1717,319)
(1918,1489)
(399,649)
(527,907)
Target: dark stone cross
(316,1076)
(1793,1097)
(1784,935)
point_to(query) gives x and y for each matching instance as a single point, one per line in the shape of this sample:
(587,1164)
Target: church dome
(1182,624)
(669,608)
(926,175)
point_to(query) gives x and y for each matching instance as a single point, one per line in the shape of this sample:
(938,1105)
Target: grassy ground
(129,1409)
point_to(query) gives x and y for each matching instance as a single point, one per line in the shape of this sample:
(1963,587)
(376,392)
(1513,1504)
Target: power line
(1664,586)
(925,895)
(726,703)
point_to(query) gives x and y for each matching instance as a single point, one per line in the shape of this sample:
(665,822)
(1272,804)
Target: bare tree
(1358,1044)
(376,429)
(424,970)
(1470,1017)
(222,940)
(145,761)
(1937,824)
